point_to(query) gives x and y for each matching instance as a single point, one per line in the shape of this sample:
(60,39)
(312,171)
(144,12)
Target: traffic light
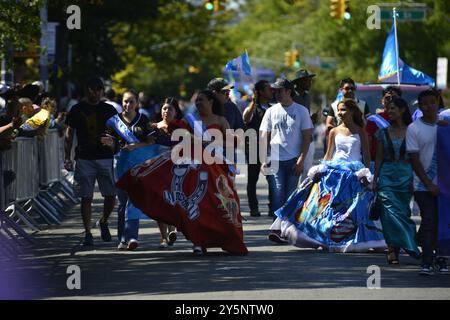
(291,59)
(214,5)
(208,4)
(287,59)
(295,62)
(337,9)
(347,13)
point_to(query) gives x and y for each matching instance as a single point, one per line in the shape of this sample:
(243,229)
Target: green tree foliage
(158,52)
(272,27)
(19,24)
(93,50)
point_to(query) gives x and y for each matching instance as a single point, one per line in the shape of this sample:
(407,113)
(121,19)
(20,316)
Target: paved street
(268,272)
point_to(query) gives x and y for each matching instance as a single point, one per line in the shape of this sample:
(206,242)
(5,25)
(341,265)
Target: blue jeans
(131,230)
(126,229)
(284,183)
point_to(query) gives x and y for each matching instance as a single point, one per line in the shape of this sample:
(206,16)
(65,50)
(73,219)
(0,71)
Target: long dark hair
(259,86)
(174,103)
(351,106)
(402,105)
(217,107)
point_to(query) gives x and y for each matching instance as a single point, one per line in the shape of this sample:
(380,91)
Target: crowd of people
(373,162)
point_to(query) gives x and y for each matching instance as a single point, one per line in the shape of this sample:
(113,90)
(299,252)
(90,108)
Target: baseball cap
(282,84)
(219,84)
(303,73)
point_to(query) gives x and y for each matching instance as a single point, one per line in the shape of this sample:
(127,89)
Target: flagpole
(396,45)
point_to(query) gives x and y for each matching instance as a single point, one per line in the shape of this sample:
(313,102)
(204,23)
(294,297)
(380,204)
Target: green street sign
(413,14)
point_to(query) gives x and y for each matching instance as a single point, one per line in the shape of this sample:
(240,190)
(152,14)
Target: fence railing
(39,195)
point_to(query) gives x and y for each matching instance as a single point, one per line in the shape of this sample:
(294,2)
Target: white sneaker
(122,246)
(132,244)
(163,244)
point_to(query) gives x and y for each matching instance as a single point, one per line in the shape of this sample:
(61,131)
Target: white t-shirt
(445,113)
(286,126)
(421,138)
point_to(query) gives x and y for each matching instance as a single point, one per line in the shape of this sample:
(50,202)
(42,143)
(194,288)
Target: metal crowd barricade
(49,161)
(39,193)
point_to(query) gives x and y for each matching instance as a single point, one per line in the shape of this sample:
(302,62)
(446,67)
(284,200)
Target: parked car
(371,93)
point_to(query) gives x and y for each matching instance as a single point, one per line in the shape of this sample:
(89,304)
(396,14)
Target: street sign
(441,74)
(403,14)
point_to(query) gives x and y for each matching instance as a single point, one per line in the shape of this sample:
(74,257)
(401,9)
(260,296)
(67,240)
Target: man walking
(253,116)
(93,161)
(302,84)
(288,126)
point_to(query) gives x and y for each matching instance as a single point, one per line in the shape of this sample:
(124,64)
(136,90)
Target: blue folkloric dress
(395,185)
(333,212)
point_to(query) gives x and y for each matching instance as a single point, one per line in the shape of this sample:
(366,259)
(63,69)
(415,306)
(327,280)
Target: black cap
(219,84)
(282,84)
(303,73)
(30,91)
(95,83)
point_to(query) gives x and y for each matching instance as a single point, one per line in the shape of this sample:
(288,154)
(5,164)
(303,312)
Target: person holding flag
(129,137)
(180,189)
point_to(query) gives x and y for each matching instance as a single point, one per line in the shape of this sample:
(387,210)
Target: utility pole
(7,76)
(43,61)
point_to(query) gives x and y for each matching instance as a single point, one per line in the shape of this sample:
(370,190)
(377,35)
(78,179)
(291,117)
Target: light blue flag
(240,64)
(389,65)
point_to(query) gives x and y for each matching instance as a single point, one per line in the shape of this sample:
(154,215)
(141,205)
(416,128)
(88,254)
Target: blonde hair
(25,101)
(49,104)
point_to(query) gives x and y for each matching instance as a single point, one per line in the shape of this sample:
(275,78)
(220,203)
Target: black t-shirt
(89,121)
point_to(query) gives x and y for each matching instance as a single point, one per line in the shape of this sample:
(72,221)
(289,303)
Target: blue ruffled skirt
(332,213)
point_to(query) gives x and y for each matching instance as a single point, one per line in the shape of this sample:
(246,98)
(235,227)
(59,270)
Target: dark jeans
(252,179)
(428,231)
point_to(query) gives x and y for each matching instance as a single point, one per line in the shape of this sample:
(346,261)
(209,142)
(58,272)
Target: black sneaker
(441,265)
(104,231)
(275,236)
(255,213)
(172,237)
(427,270)
(88,240)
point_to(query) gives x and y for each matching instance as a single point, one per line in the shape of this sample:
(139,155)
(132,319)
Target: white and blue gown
(332,213)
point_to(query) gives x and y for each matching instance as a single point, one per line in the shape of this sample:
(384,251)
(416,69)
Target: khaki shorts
(87,171)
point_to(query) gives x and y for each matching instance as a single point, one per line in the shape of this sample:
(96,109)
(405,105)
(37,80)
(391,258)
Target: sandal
(392,255)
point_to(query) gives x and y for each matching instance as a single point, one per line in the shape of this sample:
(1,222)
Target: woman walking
(393,180)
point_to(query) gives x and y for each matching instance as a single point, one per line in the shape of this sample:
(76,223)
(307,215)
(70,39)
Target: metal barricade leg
(67,191)
(22,216)
(44,212)
(50,195)
(49,206)
(11,224)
